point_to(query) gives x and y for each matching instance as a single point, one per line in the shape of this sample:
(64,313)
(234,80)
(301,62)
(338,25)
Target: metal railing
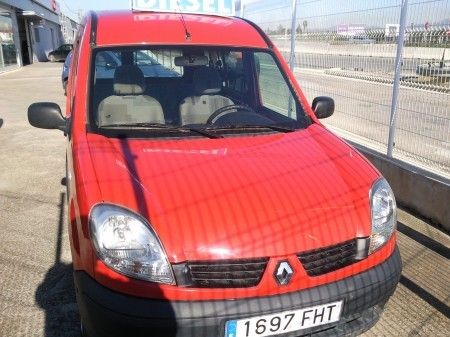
(386,63)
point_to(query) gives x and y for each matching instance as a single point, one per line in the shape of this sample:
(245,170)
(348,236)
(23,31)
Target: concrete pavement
(36,289)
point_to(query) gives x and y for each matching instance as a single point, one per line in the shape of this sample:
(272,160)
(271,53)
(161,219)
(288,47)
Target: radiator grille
(324,260)
(227,273)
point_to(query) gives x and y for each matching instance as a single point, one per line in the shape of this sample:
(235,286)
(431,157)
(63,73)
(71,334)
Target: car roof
(128,27)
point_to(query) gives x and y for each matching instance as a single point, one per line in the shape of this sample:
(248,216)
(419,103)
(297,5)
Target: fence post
(293,35)
(242,9)
(398,70)
(292,54)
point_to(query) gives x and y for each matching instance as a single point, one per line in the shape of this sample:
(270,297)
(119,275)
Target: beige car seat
(207,85)
(129,104)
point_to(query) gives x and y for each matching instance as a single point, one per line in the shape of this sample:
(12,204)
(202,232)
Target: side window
(166,59)
(105,64)
(105,59)
(144,58)
(273,89)
(37,37)
(153,63)
(100,61)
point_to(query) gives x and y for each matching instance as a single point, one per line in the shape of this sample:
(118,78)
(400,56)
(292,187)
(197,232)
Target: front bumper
(108,313)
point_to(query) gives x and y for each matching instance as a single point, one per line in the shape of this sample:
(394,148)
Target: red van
(205,197)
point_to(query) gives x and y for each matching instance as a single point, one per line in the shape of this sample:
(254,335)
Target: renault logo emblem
(283,273)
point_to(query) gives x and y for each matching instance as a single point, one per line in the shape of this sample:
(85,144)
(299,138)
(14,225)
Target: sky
(328,14)
(71,7)
(319,14)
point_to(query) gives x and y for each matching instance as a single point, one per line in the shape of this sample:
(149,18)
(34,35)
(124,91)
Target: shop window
(8,48)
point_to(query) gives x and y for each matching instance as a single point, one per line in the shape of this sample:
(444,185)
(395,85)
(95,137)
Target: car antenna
(188,35)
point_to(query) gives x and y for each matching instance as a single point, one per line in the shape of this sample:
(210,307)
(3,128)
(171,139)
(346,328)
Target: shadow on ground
(56,293)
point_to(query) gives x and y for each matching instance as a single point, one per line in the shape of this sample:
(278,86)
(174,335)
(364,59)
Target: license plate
(284,322)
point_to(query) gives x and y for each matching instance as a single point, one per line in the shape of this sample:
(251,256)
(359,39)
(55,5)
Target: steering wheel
(227,110)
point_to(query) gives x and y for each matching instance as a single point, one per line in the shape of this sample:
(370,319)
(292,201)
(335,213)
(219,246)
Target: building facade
(30,29)
(69,28)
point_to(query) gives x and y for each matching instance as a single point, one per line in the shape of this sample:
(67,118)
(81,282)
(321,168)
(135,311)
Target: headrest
(129,80)
(207,81)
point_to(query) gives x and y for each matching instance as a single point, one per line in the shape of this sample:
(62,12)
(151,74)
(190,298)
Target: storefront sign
(219,7)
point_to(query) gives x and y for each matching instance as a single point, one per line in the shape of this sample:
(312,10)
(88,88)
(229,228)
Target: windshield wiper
(253,126)
(143,125)
(160,126)
(203,132)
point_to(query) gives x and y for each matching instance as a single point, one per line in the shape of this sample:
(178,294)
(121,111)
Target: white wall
(46,43)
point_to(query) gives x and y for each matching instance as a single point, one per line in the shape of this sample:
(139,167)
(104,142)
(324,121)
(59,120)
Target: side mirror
(46,115)
(323,106)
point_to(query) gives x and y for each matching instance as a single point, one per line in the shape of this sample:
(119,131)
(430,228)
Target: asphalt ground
(36,288)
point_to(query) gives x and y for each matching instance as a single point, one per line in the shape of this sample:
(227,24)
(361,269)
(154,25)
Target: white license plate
(284,322)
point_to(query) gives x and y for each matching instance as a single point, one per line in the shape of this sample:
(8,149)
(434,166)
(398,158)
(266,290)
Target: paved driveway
(36,289)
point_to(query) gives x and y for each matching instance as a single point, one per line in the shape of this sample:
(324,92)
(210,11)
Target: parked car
(65,72)
(213,202)
(60,54)
(434,69)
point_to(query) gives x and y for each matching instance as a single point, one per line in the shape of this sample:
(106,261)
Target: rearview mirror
(46,115)
(323,106)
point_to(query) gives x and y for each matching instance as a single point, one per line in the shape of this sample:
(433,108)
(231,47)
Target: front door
(25,42)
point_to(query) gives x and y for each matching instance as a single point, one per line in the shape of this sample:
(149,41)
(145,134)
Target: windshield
(163,91)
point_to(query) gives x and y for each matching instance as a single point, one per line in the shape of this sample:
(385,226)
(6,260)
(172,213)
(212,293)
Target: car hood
(239,197)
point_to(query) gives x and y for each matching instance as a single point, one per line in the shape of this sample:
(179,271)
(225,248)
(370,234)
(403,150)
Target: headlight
(384,214)
(127,244)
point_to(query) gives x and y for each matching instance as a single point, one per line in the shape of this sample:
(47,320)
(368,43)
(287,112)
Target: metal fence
(350,50)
